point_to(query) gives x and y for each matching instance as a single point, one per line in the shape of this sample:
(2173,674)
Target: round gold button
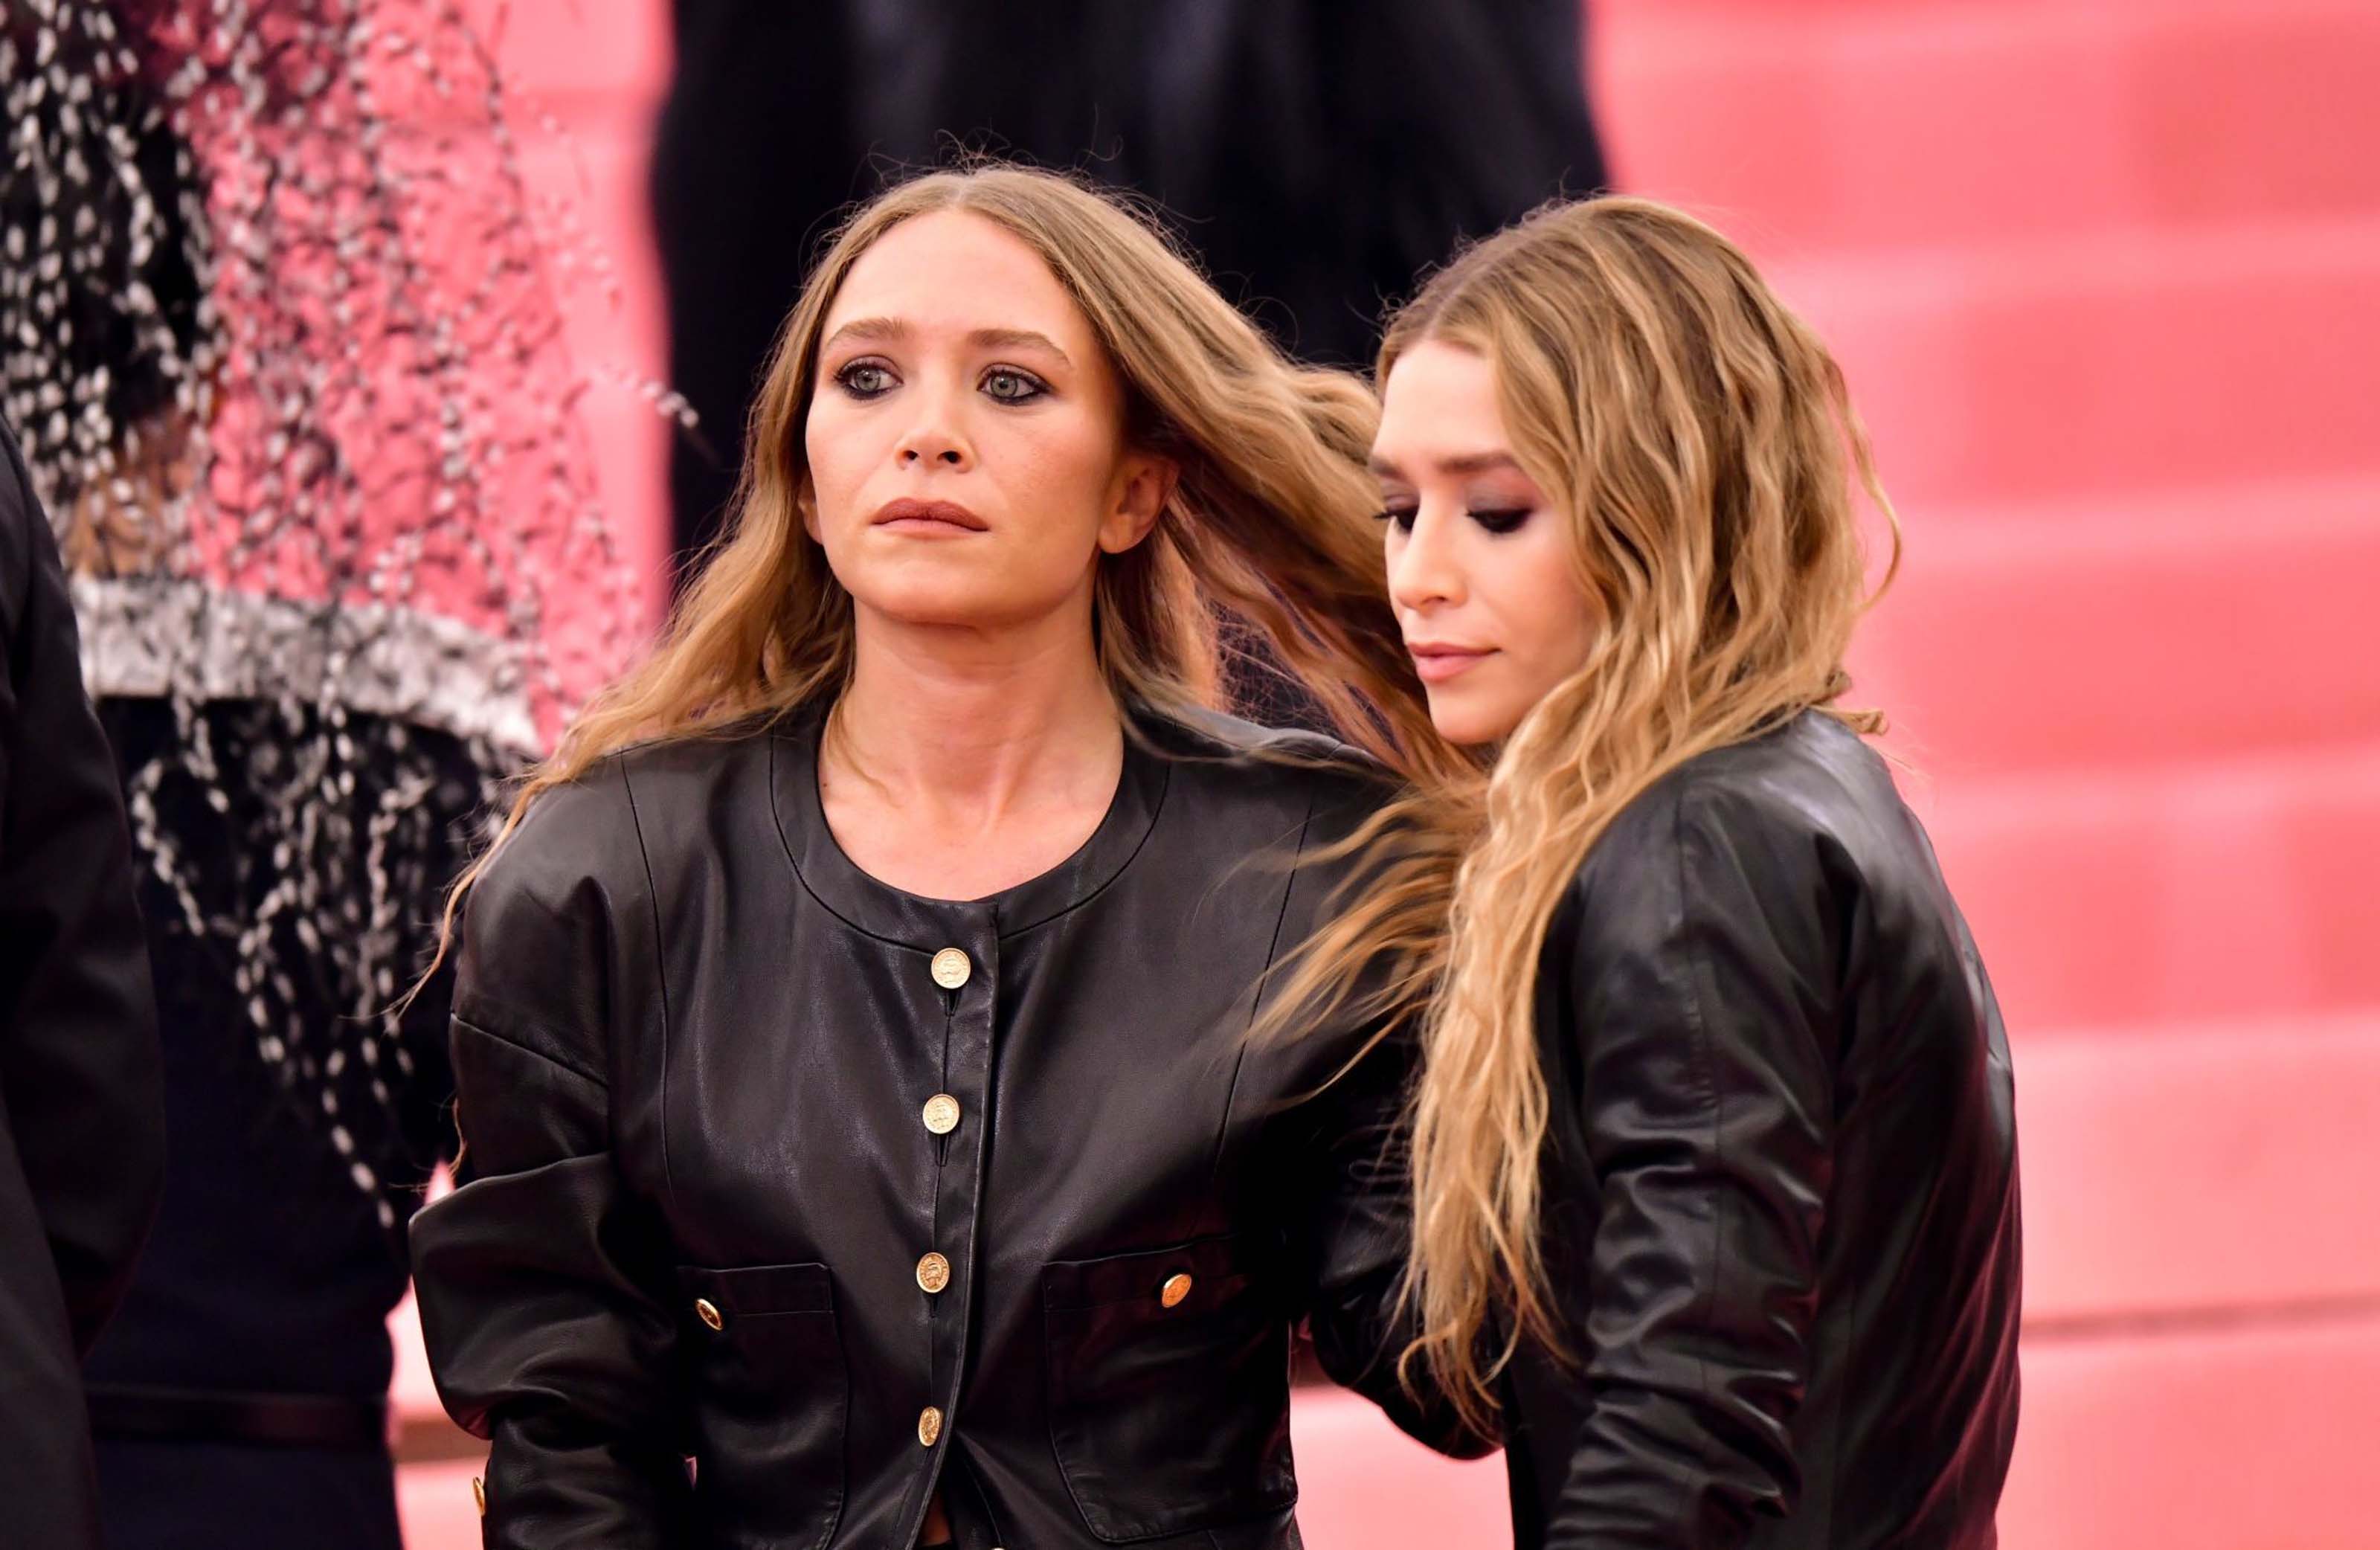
(929,1426)
(952,968)
(941,1114)
(1176,1288)
(478,1496)
(933,1272)
(707,1311)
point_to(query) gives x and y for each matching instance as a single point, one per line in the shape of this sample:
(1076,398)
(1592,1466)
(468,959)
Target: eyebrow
(1459,467)
(1011,338)
(891,331)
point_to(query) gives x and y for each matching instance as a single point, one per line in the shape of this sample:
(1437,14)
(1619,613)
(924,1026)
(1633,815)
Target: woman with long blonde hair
(1714,1149)
(849,1023)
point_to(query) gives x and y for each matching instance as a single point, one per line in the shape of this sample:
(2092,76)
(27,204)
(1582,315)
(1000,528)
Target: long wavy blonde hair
(1697,438)
(1268,525)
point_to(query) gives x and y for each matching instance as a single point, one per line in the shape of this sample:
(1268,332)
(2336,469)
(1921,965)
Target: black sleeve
(81,1075)
(537,1277)
(1701,978)
(1351,1188)
(1356,1231)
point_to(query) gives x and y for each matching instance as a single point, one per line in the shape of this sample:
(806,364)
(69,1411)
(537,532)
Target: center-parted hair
(1696,439)
(1268,525)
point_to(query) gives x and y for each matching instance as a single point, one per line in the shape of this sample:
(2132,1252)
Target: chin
(1466,722)
(942,597)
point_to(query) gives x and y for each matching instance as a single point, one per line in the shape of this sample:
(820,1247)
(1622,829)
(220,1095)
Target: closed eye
(1400,517)
(1503,521)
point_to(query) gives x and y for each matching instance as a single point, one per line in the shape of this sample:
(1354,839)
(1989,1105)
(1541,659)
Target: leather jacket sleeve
(1358,1231)
(82,1103)
(537,1274)
(1700,950)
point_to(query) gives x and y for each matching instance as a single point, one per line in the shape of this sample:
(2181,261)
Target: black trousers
(207,1495)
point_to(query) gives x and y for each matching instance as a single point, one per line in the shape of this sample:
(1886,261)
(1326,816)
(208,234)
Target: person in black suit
(1317,154)
(308,551)
(83,1124)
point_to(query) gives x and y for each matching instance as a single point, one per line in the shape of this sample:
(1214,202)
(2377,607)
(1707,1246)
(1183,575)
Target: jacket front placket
(965,971)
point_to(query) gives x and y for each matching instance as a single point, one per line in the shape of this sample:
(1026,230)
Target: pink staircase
(2105,277)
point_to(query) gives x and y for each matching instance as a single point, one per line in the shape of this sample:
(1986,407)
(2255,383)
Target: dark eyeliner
(1035,387)
(1502,520)
(843,379)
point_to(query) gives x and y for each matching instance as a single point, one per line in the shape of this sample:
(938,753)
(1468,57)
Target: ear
(1143,486)
(806,503)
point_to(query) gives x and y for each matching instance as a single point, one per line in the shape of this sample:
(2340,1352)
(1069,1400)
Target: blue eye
(1006,385)
(865,379)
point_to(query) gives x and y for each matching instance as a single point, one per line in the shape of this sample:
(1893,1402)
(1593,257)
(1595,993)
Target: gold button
(1176,1288)
(930,1426)
(941,1114)
(707,1311)
(478,1496)
(952,968)
(933,1272)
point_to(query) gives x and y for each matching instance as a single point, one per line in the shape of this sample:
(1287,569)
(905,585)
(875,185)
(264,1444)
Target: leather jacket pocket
(1169,1389)
(769,1396)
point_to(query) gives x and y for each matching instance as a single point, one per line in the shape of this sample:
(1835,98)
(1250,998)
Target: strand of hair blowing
(1694,433)
(1269,518)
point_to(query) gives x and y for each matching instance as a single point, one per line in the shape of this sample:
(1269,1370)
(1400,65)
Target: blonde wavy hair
(1697,438)
(1267,527)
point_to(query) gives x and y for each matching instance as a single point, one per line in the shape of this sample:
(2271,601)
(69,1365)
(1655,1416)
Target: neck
(977,721)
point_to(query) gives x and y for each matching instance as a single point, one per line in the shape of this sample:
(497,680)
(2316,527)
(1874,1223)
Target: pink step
(2149,628)
(2199,1171)
(2122,898)
(434,1504)
(2107,364)
(2247,1436)
(1827,127)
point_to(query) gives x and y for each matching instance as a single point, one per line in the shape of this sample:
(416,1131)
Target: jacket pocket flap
(761,1288)
(1212,1264)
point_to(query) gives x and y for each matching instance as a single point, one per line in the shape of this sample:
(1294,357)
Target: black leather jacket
(1782,1224)
(846,1193)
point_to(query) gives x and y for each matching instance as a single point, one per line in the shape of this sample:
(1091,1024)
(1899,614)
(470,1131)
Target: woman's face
(1481,570)
(965,435)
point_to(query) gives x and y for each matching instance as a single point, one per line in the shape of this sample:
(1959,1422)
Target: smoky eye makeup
(864,378)
(1012,385)
(1501,520)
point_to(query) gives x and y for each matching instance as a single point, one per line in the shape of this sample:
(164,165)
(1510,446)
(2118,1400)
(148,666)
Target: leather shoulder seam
(661,965)
(509,1042)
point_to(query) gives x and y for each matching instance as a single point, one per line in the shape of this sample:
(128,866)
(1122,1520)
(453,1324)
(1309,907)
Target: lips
(1436,661)
(927,516)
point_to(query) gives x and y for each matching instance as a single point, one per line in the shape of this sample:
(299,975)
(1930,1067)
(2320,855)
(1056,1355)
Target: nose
(1425,567)
(934,439)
